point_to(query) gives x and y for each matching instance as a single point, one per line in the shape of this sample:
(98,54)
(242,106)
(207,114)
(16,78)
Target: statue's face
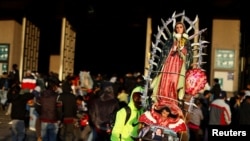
(164,113)
(179,28)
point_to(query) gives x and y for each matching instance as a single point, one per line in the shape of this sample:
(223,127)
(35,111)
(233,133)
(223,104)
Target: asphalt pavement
(5,132)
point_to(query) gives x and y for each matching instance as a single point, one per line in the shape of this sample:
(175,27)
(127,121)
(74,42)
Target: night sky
(107,46)
(115,46)
(111,48)
(111,36)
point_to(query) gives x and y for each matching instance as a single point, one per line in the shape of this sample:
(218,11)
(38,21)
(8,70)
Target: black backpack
(113,116)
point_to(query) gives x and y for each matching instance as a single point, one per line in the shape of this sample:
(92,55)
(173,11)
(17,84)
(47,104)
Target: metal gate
(30,46)
(67,51)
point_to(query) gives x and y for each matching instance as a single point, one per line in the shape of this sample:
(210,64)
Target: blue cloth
(3,96)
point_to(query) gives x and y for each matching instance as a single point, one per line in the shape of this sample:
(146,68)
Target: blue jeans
(33,118)
(49,131)
(18,130)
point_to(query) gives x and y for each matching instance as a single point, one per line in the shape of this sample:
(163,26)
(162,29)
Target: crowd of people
(63,110)
(75,108)
(215,107)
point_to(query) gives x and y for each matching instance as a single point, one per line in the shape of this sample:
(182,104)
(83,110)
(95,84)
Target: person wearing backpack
(125,131)
(101,109)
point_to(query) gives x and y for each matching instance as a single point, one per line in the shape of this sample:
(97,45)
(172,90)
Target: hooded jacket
(125,132)
(102,107)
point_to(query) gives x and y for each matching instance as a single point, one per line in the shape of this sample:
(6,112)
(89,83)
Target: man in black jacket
(19,101)
(216,89)
(68,111)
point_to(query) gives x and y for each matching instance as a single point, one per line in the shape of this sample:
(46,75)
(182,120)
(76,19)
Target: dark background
(111,35)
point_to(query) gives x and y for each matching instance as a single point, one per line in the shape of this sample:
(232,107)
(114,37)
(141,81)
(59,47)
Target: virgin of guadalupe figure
(169,74)
(169,84)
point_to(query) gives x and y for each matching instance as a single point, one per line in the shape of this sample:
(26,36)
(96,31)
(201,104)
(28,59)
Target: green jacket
(123,132)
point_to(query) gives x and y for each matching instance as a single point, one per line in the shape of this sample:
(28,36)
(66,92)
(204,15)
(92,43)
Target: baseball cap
(223,94)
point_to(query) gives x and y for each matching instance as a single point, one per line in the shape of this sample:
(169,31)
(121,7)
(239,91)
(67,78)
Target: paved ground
(5,133)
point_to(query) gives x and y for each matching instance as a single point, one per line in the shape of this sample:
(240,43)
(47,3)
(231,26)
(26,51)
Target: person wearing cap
(101,108)
(220,113)
(49,115)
